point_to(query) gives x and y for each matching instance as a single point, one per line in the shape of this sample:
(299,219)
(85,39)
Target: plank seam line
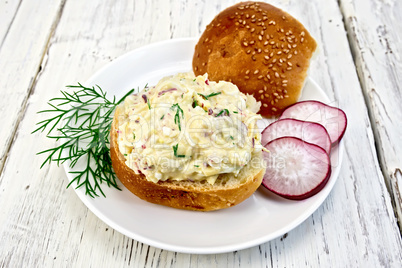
(10,25)
(32,85)
(350,30)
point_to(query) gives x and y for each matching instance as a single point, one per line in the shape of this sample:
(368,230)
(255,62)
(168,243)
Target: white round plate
(261,218)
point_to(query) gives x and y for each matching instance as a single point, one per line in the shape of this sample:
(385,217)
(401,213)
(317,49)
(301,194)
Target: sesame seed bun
(260,48)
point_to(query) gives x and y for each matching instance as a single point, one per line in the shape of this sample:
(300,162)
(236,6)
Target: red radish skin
(307,131)
(295,169)
(332,118)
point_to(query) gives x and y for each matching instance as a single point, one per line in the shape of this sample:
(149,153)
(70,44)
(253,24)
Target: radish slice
(295,169)
(332,118)
(308,131)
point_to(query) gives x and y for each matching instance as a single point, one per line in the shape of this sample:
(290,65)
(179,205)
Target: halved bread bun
(261,49)
(191,195)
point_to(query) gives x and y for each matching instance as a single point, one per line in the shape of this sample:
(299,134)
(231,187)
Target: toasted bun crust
(260,48)
(226,192)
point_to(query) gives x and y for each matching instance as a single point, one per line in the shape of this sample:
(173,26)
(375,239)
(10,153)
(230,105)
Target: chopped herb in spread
(175,151)
(223,112)
(177,115)
(210,95)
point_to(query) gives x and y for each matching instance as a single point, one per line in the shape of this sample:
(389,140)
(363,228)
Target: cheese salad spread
(188,128)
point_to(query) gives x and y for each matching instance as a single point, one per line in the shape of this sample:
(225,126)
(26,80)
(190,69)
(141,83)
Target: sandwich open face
(188,143)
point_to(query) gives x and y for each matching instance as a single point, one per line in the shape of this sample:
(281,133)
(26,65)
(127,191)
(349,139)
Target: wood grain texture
(44,225)
(22,47)
(375,38)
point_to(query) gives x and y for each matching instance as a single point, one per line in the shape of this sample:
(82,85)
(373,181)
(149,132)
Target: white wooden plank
(22,45)
(8,11)
(42,224)
(375,34)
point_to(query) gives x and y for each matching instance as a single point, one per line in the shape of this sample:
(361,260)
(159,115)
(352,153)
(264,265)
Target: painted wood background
(45,45)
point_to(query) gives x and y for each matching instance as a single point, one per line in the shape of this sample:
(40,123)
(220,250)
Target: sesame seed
(253,58)
(246,77)
(272,102)
(271,55)
(265,88)
(295,52)
(269,77)
(289,68)
(285,91)
(248,51)
(196,68)
(301,40)
(266,50)
(275,94)
(284,81)
(245,44)
(248,71)
(266,95)
(259,50)
(276,100)
(260,37)
(247,16)
(209,51)
(274,69)
(253,16)
(279,53)
(289,63)
(260,77)
(203,64)
(265,43)
(274,60)
(252,30)
(276,74)
(256,71)
(262,97)
(285,85)
(266,57)
(302,33)
(286,96)
(260,91)
(265,105)
(206,40)
(270,66)
(274,109)
(252,42)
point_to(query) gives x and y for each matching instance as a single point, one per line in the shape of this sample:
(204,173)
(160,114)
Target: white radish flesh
(332,118)
(295,169)
(308,131)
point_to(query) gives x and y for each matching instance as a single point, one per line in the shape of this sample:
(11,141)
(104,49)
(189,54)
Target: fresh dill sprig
(83,119)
